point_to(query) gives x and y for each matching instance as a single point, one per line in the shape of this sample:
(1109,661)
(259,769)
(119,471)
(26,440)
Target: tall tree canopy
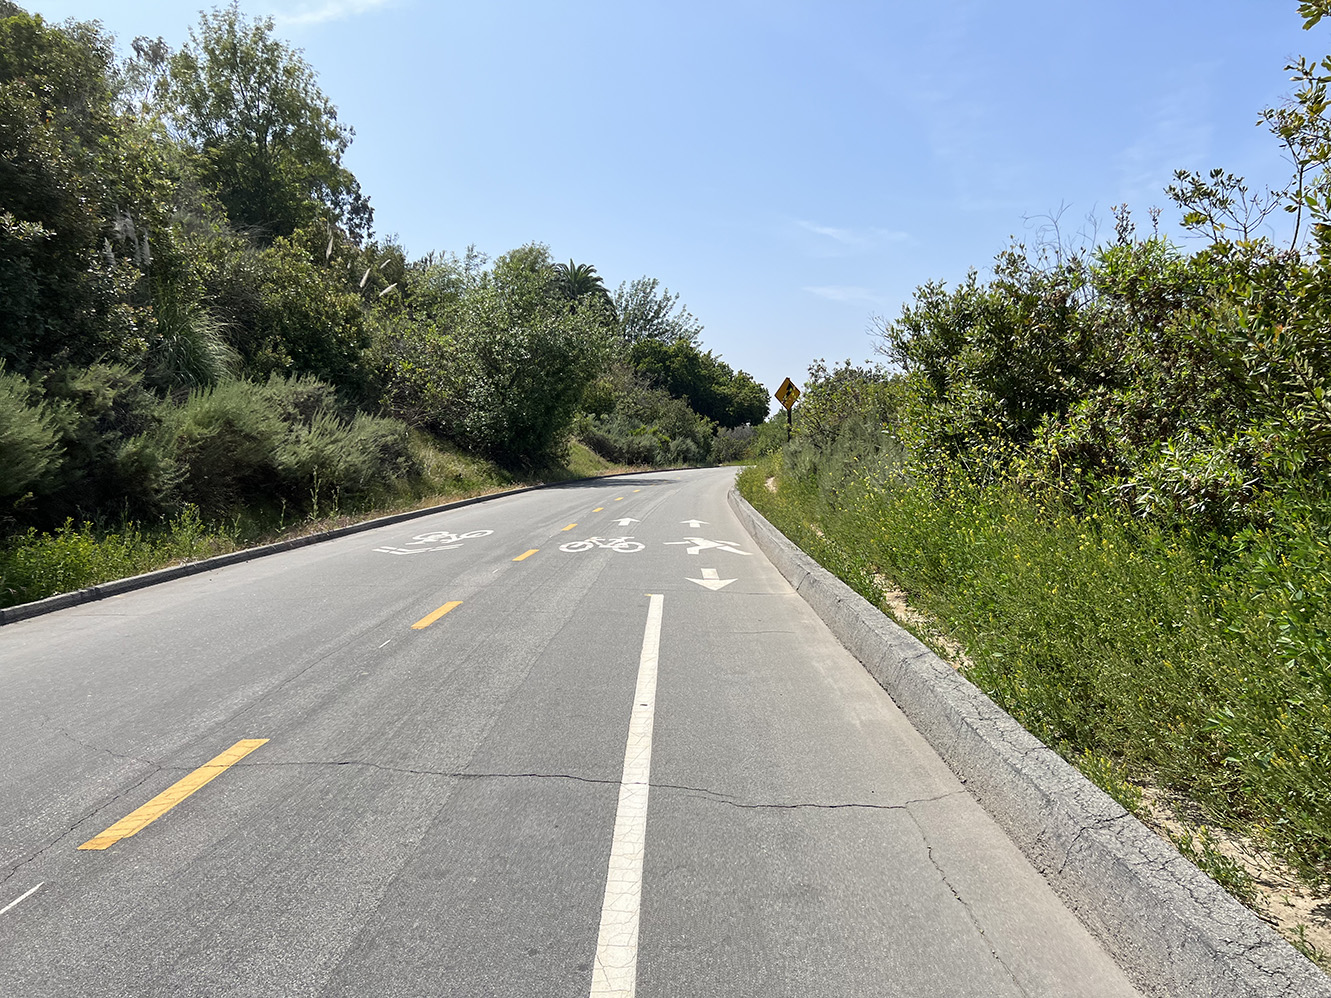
(709,385)
(269,139)
(78,195)
(647,311)
(575,281)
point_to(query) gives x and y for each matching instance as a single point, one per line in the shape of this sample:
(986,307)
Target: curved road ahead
(564,743)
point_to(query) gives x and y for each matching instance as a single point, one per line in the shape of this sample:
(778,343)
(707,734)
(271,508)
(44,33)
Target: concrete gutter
(1171,928)
(78,597)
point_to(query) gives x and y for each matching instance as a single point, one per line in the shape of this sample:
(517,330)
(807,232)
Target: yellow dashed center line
(526,554)
(569,527)
(430,618)
(598,509)
(620,499)
(136,821)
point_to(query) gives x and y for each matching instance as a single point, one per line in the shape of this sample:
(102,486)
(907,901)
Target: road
(496,751)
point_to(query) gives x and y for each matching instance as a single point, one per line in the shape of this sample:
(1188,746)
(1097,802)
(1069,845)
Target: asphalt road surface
(566,743)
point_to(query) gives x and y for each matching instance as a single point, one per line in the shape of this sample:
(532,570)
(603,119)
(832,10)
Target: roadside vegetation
(1104,472)
(203,342)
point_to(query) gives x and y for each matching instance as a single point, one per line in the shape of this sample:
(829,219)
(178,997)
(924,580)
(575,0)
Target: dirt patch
(896,605)
(771,484)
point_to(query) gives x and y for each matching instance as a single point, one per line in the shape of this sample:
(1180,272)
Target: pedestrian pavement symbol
(697,544)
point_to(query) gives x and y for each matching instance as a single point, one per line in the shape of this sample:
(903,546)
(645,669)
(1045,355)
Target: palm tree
(574,281)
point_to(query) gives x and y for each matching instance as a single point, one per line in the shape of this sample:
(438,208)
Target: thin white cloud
(840,235)
(843,292)
(853,239)
(329,10)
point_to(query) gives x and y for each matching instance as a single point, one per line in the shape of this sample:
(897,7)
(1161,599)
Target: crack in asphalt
(458,774)
(703,792)
(155,768)
(817,806)
(88,815)
(970,912)
(45,722)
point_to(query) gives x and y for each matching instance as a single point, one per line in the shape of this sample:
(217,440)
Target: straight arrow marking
(711,581)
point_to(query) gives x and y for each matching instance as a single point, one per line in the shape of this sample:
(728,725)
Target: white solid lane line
(14,903)
(616,970)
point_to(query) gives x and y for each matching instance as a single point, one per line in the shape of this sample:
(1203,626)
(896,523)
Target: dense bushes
(1107,473)
(1206,670)
(628,419)
(709,385)
(1108,479)
(102,445)
(501,365)
(27,436)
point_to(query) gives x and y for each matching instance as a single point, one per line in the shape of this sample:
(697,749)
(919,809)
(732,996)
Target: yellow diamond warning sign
(787,393)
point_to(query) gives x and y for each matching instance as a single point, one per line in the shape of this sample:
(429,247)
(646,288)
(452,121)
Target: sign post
(786,395)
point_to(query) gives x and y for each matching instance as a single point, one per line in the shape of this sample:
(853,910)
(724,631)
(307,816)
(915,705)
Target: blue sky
(789,168)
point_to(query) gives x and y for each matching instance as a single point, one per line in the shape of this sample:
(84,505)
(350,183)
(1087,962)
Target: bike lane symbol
(624,545)
(438,540)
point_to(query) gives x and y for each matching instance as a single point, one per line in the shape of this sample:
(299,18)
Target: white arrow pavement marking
(695,524)
(615,973)
(710,581)
(626,521)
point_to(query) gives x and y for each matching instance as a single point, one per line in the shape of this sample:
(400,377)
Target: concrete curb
(62,601)
(1172,929)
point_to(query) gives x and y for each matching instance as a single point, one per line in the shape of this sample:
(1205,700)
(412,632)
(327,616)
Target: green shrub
(116,462)
(732,445)
(28,437)
(1201,660)
(226,440)
(34,565)
(350,461)
(284,441)
(188,347)
(620,438)
(643,424)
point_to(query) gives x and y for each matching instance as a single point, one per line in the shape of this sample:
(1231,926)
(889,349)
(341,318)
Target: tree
(576,281)
(523,277)
(646,311)
(267,137)
(846,394)
(285,314)
(501,364)
(78,195)
(709,385)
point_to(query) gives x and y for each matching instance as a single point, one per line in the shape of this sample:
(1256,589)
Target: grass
(34,565)
(1136,652)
